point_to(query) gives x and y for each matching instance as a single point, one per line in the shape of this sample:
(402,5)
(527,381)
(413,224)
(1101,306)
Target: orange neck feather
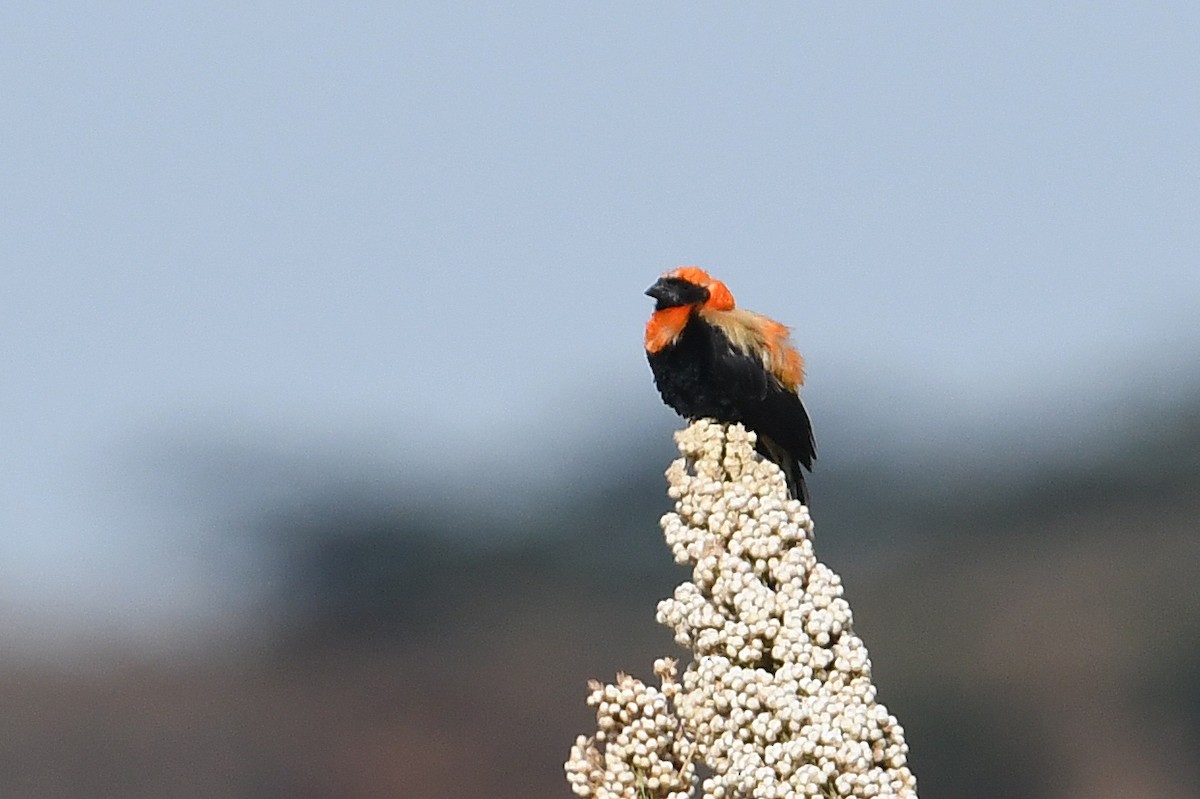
(665,326)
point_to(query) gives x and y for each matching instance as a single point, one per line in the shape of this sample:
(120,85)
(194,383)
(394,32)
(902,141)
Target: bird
(712,359)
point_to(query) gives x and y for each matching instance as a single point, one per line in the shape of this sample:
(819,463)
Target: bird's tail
(797,488)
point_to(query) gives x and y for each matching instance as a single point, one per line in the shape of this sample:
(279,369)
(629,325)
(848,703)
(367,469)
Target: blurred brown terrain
(1037,634)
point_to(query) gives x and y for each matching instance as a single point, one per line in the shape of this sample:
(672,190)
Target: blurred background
(331,464)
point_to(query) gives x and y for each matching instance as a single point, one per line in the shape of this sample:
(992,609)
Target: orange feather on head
(719,296)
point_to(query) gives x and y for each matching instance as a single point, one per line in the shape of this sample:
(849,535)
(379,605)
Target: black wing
(763,403)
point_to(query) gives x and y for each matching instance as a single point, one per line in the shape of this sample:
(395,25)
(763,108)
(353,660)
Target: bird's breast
(687,377)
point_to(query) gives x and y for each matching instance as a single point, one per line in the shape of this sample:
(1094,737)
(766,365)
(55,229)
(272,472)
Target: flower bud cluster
(643,753)
(778,700)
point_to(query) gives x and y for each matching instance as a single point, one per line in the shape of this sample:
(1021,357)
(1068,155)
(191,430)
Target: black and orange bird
(714,360)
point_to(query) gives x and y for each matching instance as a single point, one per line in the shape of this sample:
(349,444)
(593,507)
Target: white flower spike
(777,702)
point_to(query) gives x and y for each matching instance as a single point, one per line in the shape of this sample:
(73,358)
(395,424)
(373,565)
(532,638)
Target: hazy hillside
(1035,633)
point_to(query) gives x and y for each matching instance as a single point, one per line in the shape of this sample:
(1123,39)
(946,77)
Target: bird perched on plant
(712,359)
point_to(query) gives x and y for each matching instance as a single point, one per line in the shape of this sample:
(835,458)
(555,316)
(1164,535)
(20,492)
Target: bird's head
(690,286)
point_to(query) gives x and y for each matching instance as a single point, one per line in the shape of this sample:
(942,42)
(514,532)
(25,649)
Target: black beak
(661,290)
(672,292)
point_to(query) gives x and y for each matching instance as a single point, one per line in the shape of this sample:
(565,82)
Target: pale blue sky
(393,231)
